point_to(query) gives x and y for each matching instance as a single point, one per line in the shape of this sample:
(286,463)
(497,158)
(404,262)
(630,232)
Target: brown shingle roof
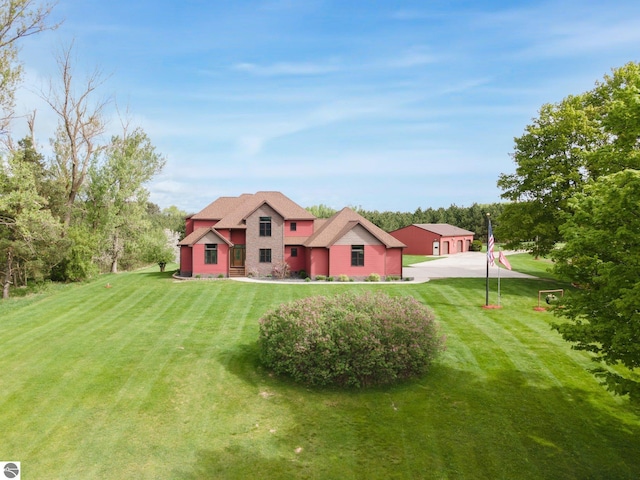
(231,211)
(220,207)
(198,233)
(338,225)
(444,229)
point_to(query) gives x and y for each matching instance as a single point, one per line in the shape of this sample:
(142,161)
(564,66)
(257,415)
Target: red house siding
(298,262)
(238,237)
(393,262)
(203,223)
(185,260)
(201,268)
(304,228)
(318,262)
(188,226)
(340,261)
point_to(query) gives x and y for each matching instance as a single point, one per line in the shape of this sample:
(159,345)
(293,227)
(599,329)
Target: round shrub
(476,246)
(350,340)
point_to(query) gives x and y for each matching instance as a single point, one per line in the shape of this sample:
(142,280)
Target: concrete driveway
(460,265)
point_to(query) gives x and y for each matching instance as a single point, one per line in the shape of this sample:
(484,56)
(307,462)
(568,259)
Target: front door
(238,254)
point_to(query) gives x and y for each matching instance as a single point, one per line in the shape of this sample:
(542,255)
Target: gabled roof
(232,211)
(336,227)
(217,209)
(444,229)
(198,233)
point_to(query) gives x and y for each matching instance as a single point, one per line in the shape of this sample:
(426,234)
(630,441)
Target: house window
(357,255)
(265,255)
(211,254)
(265,226)
(293,226)
(294,251)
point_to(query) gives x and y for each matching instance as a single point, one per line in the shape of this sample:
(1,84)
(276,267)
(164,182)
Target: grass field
(153,378)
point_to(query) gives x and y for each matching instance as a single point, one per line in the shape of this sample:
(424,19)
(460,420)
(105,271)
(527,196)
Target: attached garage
(434,239)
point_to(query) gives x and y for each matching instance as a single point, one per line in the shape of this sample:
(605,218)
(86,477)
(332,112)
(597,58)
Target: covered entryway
(238,257)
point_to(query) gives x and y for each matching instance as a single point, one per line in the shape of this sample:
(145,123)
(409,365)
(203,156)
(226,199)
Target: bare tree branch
(80,124)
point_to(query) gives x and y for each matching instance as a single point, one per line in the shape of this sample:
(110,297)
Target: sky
(383,105)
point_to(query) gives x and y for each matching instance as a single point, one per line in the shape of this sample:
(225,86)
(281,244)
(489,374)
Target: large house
(257,234)
(434,239)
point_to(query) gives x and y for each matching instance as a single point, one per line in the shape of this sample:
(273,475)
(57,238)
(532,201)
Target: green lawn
(153,378)
(412,259)
(526,263)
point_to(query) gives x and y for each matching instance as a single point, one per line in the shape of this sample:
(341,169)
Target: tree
(321,211)
(18,19)
(157,248)
(29,235)
(570,143)
(601,255)
(79,129)
(171,218)
(553,163)
(116,195)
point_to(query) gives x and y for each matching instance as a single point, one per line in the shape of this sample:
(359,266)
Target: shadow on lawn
(450,424)
(166,275)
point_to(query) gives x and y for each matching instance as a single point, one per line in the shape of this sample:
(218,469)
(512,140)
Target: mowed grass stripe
(173,389)
(90,367)
(54,364)
(140,386)
(488,337)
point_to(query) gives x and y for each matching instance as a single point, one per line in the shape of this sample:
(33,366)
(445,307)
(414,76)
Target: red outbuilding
(434,239)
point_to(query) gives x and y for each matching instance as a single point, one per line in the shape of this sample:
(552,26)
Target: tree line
(84,208)
(473,218)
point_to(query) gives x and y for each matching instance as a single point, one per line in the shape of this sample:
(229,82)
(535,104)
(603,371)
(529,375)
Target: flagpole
(499,284)
(487,279)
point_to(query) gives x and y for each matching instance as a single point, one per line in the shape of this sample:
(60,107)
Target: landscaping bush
(476,246)
(343,278)
(373,277)
(281,270)
(350,340)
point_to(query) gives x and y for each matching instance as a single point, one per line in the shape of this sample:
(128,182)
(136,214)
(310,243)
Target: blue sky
(387,105)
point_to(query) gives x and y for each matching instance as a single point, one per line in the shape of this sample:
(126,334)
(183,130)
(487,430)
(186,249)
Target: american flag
(490,256)
(503,260)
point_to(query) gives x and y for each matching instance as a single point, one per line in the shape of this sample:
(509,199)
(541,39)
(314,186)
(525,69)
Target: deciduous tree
(29,233)
(80,126)
(552,159)
(18,19)
(570,143)
(601,254)
(116,194)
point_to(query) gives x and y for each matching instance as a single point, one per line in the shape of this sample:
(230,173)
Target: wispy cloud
(413,57)
(287,68)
